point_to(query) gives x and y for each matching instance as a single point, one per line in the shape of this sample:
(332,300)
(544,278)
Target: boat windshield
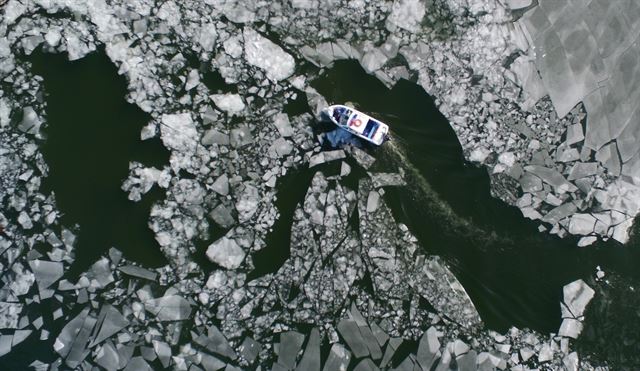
(341,115)
(371,128)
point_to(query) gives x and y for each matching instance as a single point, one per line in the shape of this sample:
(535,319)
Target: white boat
(358,123)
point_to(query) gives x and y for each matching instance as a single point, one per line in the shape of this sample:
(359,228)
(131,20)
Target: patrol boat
(358,123)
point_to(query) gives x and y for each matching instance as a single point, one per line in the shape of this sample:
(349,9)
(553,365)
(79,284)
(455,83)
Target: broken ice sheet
(72,342)
(215,342)
(110,321)
(230,103)
(222,216)
(226,252)
(9,314)
(262,53)
(139,272)
(178,132)
(247,203)
(169,308)
(30,121)
(100,273)
(46,272)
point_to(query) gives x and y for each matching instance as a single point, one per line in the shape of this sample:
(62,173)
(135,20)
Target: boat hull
(358,123)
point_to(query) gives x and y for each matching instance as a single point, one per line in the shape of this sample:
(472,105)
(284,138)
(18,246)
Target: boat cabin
(359,124)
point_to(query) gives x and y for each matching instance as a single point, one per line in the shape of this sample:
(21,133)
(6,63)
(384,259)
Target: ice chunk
(100,273)
(169,308)
(222,216)
(31,122)
(163,351)
(582,224)
(125,352)
(281,122)
(389,352)
(233,46)
(108,357)
(583,169)
(479,154)
(139,272)
(468,361)
(9,314)
(290,343)
(387,179)
(574,134)
(552,177)
(5,110)
(178,131)
(311,358)
(570,328)
(249,349)
(326,156)
(460,347)
(371,342)
(428,349)
(363,158)
(193,79)
(5,344)
(280,148)
(207,36)
(345,169)
(238,12)
(367,365)
(507,159)
(406,14)
(141,180)
(262,53)
(559,213)
(230,103)
(72,341)
(530,183)
(210,362)
(226,253)
(221,185)
(372,201)
(518,4)
(304,4)
(621,231)
(19,336)
(577,295)
(110,322)
(586,241)
(351,334)
(339,358)
(215,342)
(52,37)
(24,220)
(608,157)
(247,202)
(46,272)
(29,43)
(373,60)
(545,354)
(241,136)
(138,364)
(213,136)
(23,279)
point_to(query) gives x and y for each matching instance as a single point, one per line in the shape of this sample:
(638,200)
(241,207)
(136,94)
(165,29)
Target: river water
(513,273)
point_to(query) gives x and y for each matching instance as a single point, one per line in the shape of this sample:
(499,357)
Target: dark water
(513,273)
(92,135)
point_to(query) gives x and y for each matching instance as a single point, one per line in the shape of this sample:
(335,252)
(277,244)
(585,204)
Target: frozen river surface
(171,202)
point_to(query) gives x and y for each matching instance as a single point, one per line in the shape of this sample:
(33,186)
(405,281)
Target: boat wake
(424,197)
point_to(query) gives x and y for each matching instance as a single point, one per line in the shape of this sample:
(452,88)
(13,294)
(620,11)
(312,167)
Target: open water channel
(513,273)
